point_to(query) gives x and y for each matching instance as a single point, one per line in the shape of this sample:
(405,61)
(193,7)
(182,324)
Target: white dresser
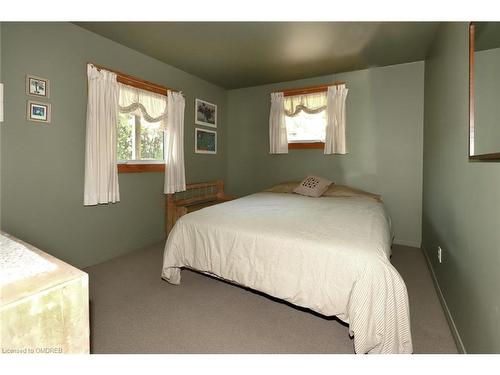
(44,302)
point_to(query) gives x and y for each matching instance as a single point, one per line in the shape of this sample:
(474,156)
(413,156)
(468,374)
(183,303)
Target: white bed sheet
(330,255)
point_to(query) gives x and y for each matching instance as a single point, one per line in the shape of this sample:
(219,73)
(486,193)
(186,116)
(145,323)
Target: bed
(327,254)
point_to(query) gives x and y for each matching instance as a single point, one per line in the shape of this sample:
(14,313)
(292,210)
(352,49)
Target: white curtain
(278,139)
(150,106)
(101,173)
(308,103)
(335,142)
(175,179)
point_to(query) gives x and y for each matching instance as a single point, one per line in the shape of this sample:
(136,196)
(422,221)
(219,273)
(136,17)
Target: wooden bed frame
(196,196)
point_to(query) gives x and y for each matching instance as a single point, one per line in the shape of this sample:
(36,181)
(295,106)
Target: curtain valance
(309,103)
(152,106)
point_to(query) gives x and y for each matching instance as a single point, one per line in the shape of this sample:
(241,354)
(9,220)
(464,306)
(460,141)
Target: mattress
(330,255)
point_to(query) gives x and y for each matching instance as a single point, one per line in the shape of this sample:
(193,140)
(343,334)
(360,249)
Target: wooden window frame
(131,167)
(305,145)
(140,167)
(305,91)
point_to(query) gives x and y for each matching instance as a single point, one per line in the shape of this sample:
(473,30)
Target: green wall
(42,166)
(384,138)
(461,201)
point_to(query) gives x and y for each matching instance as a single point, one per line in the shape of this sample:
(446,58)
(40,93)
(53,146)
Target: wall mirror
(484,91)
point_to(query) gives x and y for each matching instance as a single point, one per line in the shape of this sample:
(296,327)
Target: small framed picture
(37,86)
(39,112)
(205,141)
(205,113)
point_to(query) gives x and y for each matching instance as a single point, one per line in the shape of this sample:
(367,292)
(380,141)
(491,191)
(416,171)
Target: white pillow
(312,186)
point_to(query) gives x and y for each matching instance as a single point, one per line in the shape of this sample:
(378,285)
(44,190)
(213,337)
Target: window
(306,128)
(139,141)
(305,119)
(309,117)
(140,134)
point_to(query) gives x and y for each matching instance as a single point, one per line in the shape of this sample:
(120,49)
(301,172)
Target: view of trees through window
(138,139)
(306,127)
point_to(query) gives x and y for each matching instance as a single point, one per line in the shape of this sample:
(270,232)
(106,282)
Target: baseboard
(397,241)
(447,313)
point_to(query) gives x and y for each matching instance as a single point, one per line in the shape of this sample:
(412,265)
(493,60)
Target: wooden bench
(196,197)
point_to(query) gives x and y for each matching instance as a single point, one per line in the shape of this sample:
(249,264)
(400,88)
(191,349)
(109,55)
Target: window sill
(306,145)
(140,168)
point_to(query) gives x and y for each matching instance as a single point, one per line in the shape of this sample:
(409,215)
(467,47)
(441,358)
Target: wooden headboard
(196,196)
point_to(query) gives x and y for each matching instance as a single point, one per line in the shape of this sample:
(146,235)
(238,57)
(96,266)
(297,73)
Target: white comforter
(326,254)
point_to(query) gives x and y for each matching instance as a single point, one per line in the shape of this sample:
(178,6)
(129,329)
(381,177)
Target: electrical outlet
(440,254)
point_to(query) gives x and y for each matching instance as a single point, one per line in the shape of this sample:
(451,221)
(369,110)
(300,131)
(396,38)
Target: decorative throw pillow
(312,186)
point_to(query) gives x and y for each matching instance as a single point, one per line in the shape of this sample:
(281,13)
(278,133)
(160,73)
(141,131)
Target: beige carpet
(134,311)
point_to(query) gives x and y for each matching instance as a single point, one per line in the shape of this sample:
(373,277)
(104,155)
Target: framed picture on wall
(38,112)
(205,113)
(205,141)
(37,86)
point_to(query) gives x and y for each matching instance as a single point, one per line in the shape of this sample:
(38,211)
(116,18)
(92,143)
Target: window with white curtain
(140,128)
(305,117)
